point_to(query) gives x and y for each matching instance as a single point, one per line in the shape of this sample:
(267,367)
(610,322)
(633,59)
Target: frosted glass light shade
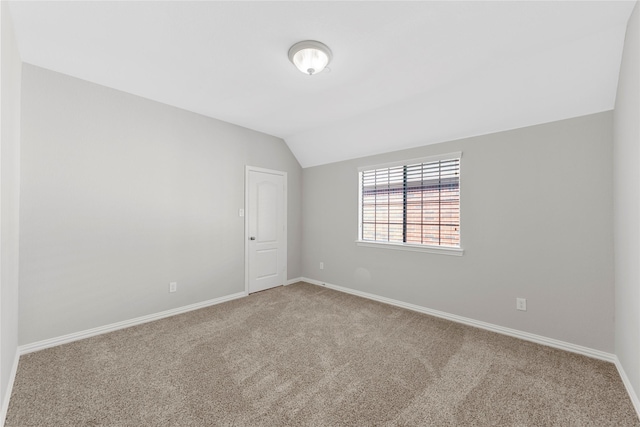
(310,57)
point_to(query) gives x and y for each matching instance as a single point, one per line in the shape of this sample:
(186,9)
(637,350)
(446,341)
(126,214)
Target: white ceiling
(403,74)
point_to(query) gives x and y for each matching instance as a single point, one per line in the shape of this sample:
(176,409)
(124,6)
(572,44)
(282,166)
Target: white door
(266,232)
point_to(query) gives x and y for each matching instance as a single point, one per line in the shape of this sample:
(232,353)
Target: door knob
(252,238)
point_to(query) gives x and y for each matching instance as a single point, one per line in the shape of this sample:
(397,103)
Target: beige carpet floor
(306,355)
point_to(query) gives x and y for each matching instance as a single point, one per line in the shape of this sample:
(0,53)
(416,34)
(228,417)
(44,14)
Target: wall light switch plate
(240,212)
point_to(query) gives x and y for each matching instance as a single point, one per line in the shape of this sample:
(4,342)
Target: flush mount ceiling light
(309,56)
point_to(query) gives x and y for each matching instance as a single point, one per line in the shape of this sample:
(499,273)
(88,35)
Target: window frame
(445,250)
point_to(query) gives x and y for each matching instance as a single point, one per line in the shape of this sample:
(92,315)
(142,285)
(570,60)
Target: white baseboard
(628,386)
(292,281)
(52,342)
(7,396)
(539,339)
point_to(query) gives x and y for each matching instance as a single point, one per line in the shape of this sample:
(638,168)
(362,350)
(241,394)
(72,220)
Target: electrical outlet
(521,304)
(173,286)
(322,266)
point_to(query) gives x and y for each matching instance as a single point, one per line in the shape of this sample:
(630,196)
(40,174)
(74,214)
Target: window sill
(413,248)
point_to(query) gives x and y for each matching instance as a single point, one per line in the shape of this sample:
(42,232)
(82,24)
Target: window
(413,205)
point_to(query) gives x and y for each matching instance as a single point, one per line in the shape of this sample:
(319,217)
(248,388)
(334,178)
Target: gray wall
(10,68)
(121,195)
(536,223)
(627,206)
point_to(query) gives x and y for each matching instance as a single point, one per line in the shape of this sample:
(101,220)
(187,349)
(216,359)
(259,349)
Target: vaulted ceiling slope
(403,74)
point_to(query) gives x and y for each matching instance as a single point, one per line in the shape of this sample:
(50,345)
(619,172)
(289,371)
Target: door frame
(246,221)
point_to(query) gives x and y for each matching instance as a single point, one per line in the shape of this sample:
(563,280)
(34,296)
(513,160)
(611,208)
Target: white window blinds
(416,203)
